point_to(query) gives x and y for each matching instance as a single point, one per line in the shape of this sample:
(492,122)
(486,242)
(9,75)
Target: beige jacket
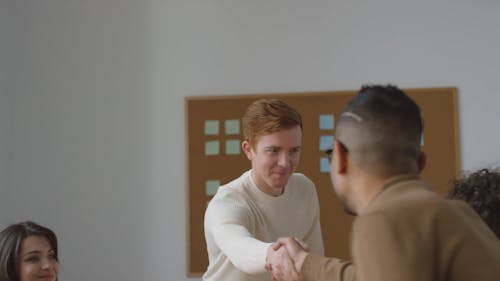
(409,233)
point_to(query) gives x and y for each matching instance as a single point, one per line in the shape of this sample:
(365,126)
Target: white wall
(98,101)
(4,108)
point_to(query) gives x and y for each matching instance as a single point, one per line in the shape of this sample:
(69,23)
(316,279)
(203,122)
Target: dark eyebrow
(51,251)
(32,252)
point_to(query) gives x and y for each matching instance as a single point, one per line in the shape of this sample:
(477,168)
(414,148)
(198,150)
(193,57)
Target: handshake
(285,258)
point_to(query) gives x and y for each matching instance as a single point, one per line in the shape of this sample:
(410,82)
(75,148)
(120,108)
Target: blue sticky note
(211,127)
(326,122)
(324,165)
(212,148)
(325,142)
(211,187)
(232,127)
(232,147)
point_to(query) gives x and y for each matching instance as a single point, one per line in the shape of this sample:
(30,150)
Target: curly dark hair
(481,190)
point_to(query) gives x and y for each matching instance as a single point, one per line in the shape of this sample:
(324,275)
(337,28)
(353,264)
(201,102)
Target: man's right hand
(296,248)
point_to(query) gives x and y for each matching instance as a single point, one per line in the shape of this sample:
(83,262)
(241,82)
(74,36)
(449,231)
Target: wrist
(299,259)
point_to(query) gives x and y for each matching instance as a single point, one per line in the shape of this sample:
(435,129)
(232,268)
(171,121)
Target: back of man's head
(381,127)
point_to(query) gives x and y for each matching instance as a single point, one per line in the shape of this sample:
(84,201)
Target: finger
(301,243)
(276,246)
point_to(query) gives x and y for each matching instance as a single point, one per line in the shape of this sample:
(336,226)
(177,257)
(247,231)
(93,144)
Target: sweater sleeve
(319,268)
(229,223)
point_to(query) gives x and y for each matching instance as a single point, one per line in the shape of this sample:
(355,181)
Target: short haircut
(382,127)
(481,190)
(266,116)
(11,239)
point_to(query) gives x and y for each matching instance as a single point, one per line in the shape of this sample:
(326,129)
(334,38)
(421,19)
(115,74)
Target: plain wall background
(5,121)
(92,101)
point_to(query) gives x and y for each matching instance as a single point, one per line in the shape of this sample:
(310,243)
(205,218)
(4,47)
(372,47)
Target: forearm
(315,267)
(247,254)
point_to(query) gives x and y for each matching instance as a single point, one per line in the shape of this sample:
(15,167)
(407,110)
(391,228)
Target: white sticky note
(211,127)
(232,127)
(232,147)
(326,122)
(325,142)
(211,187)
(324,165)
(212,148)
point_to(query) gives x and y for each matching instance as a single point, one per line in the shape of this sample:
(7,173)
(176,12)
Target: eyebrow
(32,252)
(277,146)
(51,251)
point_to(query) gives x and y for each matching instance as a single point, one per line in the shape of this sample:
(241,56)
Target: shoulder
(300,180)
(405,196)
(410,208)
(298,183)
(300,187)
(233,190)
(231,195)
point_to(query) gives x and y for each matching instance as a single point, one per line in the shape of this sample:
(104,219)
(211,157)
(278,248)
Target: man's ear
(422,160)
(247,148)
(340,157)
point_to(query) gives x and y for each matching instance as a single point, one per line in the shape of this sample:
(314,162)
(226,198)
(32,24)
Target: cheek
(26,271)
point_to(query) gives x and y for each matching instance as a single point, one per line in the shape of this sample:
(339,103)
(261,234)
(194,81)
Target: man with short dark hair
(403,230)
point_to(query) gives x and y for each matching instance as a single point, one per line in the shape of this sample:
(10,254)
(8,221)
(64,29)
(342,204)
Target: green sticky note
(211,187)
(212,148)
(232,127)
(211,127)
(232,147)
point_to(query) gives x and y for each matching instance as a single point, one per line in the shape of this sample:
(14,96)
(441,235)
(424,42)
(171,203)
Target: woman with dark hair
(28,252)
(481,190)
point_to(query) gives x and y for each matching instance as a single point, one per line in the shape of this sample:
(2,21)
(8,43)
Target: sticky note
(232,147)
(232,127)
(326,122)
(211,127)
(325,142)
(324,165)
(211,187)
(212,148)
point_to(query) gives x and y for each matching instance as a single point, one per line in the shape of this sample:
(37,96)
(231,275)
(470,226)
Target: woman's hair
(481,190)
(10,246)
(266,116)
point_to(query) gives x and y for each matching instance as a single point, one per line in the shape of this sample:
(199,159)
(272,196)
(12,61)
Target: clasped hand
(285,257)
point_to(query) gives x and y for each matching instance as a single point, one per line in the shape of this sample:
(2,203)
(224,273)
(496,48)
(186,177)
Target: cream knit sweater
(241,222)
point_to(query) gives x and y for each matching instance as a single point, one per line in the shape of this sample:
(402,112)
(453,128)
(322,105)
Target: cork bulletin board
(214,155)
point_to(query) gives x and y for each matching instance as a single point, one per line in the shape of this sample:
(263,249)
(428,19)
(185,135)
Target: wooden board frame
(441,144)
